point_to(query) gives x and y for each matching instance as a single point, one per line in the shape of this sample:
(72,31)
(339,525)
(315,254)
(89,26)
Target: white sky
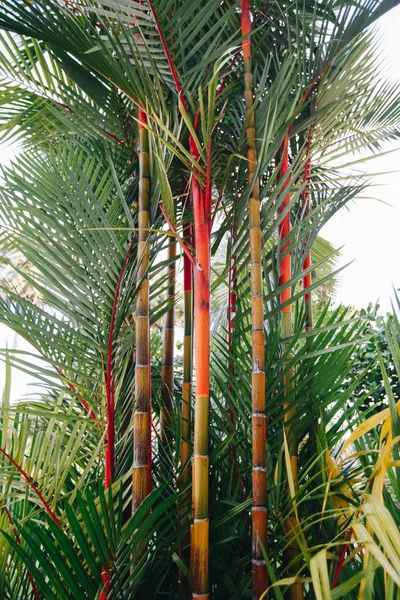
(368,230)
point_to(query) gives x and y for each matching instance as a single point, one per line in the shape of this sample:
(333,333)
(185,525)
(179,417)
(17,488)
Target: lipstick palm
(77,77)
(142,410)
(259,427)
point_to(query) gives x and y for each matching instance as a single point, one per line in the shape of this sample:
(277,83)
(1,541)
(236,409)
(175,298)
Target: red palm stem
(284,227)
(33,486)
(307,279)
(110,404)
(74,390)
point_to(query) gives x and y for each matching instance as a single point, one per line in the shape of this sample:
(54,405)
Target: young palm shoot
(259,426)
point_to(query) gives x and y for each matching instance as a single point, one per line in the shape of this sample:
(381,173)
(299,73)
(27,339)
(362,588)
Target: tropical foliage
(186,154)
(368,361)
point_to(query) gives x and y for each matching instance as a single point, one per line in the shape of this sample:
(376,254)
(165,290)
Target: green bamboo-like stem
(141,454)
(201,280)
(259,426)
(291,524)
(167,371)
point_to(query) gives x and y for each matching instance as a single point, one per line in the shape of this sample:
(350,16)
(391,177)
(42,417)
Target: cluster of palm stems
(185,154)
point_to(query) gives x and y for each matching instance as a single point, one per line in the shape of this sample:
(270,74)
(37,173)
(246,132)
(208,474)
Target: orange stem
(259,515)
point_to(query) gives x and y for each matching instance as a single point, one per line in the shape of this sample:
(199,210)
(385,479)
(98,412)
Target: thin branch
(168,56)
(180,240)
(33,486)
(109,453)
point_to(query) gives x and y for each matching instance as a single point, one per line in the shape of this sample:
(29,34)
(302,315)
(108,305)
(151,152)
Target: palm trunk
(167,372)
(141,447)
(200,534)
(292,552)
(259,427)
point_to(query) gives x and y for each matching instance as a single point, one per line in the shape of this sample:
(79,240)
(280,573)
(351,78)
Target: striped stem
(259,425)
(292,552)
(167,371)
(201,281)
(141,453)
